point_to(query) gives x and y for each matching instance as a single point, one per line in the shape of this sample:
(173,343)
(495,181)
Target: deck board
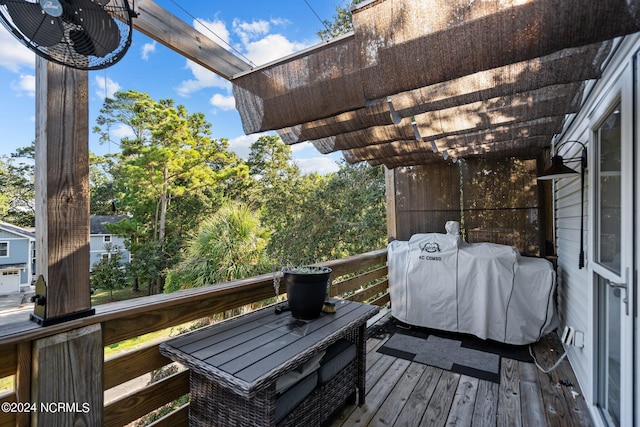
(378,393)
(441,400)
(400,393)
(416,406)
(461,413)
(387,413)
(533,413)
(484,412)
(509,409)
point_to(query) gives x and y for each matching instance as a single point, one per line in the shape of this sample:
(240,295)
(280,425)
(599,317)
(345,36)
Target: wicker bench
(234,367)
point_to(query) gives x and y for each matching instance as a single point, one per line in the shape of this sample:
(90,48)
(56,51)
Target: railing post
(67,385)
(390,187)
(23,382)
(66,369)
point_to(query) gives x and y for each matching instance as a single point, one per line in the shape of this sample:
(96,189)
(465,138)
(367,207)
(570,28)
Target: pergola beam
(165,28)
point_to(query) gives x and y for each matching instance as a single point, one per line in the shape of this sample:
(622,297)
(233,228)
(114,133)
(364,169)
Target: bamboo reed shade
(459,67)
(566,66)
(320,83)
(523,138)
(548,101)
(405,44)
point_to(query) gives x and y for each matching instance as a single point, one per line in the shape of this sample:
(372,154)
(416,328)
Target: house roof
(23,232)
(417,79)
(97,222)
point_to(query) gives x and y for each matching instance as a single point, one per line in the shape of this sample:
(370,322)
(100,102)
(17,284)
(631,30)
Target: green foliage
(334,216)
(17,192)
(305,269)
(170,174)
(341,23)
(230,245)
(102,198)
(147,263)
(109,273)
(174,181)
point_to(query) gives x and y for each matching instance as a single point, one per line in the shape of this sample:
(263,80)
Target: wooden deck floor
(403,393)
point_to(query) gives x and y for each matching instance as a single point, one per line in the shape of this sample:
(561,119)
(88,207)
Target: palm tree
(228,246)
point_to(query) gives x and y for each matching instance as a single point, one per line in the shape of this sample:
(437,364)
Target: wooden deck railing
(360,278)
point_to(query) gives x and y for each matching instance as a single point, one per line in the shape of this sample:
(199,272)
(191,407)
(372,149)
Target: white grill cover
(484,289)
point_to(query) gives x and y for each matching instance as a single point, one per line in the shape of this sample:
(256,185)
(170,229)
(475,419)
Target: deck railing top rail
(205,300)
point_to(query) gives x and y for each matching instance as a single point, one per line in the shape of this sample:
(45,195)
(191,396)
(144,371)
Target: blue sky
(261,30)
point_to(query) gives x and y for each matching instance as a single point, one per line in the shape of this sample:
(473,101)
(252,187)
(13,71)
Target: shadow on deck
(403,393)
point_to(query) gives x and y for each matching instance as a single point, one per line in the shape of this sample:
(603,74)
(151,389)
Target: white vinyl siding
(576,298)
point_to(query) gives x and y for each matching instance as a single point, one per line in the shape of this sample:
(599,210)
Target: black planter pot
(306,290)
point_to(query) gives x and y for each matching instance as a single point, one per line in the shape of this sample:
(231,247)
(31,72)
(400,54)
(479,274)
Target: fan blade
(39,27)
(99,35)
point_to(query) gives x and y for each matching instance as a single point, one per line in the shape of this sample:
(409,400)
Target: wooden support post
(545,207)
(67,379)
(390,186)
(62,191)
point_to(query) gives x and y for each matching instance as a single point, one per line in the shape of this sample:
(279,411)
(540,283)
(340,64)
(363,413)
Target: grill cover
(488,290)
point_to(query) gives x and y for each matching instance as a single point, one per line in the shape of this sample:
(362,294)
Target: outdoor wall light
(559,170)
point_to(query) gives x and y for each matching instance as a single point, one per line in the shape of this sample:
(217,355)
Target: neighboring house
(600,300)
(17,258)
(101,238)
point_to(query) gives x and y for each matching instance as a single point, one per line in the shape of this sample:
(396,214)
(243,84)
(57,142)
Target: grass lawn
(101,296)
(6,384)
(147,339)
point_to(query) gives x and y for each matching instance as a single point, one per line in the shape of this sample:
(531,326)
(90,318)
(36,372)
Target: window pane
(610,190)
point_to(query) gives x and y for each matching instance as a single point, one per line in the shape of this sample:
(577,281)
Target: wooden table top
(249,352)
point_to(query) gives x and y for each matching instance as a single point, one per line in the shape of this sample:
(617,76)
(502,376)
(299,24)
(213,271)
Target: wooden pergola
(388,93)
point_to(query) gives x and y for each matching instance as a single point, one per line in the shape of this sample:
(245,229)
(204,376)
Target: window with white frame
(4,249)
(106,238)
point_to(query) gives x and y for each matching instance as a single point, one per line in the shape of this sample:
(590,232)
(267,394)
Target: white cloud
(202,79)
(121,131)
(296,148)
(241,145)
(14,55)
(281,22)
(105,87)
(217,31)
(224,103)
(321,165)
(257,44)
(271,47)
(248,31)
(148,49)
(261,47)
(25,84)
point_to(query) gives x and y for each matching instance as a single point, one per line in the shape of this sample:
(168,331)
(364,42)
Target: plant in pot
(306,289)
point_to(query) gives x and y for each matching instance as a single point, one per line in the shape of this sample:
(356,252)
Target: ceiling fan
(82,34)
